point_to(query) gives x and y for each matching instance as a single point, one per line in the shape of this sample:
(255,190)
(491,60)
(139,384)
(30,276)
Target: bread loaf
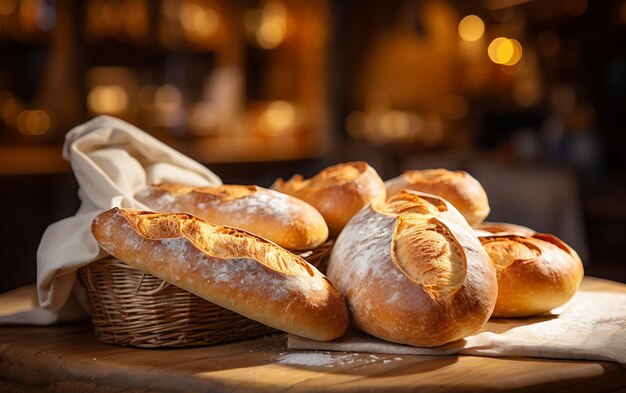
(227,266)
(457,187)
(500,229)
(536,272)
(413,272)
(285,220)
(338,192)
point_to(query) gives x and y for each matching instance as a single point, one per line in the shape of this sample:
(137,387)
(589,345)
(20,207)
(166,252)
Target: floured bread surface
(338,191)
(413,271)
(536,272)
(457,187)
(227,266)
(285,220)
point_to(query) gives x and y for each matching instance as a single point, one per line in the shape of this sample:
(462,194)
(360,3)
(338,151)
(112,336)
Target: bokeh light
(273,26)
(107,99)
(471,28)
(33,122)
(279,118)
(505,51)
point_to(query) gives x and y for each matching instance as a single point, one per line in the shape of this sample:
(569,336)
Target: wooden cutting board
(70,359)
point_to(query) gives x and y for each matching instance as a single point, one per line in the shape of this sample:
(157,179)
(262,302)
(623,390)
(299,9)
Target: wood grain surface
(69,358)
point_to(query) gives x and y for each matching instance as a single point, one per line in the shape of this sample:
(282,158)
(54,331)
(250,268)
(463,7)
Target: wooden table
(70,359)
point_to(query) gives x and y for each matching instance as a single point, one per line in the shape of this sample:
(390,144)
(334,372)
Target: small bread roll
(285,220)
(536,272)
(413,272)
(338,192)
(227,266)
(457,187)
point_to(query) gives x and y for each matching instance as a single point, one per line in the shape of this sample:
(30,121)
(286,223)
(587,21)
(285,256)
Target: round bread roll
(536,272)
(413,272)
(338,192)
(287,221)
(457,187)
(227,266)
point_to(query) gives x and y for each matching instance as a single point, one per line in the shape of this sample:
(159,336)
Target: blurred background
(527,96)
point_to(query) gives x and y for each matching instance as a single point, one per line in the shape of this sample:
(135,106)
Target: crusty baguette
(413,272)
(227,266)
(287,221)
(338,192)
(457,187)
(536,272)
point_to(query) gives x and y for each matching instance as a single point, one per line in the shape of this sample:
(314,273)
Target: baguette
(457,187)
(413,272)
(285,220)
(536,272)
(338,192)
(227,266)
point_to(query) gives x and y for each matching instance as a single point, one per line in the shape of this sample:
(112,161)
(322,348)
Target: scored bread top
(285,220)
(425,248)
(338,191)
(413,271)
(227,266)
(536,272)
(458,187)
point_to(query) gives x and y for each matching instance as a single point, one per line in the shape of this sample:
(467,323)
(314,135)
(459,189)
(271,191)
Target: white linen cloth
(112,160)
(591,326)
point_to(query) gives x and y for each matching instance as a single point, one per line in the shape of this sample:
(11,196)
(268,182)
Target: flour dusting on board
(329,359)
(316,359)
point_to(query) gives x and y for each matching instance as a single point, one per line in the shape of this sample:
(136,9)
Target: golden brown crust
(413,271)
(489,229)
(457,187)
(285,220)
(536,272)
(227,266)
(338,192)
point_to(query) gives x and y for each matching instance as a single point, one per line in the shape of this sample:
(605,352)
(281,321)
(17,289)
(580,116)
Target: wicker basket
(129,307)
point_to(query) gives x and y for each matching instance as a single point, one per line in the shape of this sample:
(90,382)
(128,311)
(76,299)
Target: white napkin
(112,160)
(592,327)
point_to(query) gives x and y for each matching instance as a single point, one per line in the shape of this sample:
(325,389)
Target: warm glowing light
(168,98)
(273,27)
(505,51)
(279,118)
(200,22)
(471,28)
(109,99)
(33,122)
(517,52)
